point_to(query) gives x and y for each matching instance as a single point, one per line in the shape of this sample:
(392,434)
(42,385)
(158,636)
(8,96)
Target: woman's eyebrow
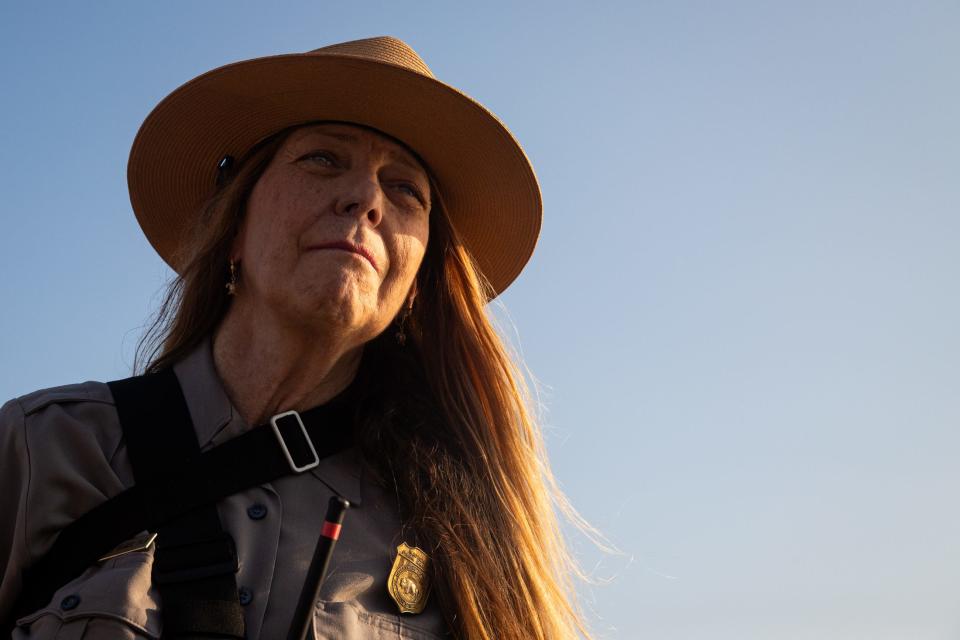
(401,156)
(404,159)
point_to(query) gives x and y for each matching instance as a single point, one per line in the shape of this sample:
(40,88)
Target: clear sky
(742,312)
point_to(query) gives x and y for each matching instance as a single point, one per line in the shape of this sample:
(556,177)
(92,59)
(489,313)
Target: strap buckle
(288,422)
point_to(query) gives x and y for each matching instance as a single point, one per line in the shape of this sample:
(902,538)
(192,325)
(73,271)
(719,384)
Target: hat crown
(380,49)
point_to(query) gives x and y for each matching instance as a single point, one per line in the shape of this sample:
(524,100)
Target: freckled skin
(334,182)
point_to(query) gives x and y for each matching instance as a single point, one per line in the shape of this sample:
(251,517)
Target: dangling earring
(401,334)
(232,283)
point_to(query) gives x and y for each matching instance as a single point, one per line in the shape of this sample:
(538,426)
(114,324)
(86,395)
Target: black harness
(176,491)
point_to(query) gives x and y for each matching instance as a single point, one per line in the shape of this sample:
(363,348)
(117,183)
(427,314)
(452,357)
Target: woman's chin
(342,308)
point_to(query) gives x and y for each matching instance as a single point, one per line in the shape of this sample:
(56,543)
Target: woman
(337,220)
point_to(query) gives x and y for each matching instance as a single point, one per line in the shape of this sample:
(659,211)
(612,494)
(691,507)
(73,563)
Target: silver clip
(283,444)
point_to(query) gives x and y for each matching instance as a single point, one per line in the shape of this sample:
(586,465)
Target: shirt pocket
(113,599)
(349,621)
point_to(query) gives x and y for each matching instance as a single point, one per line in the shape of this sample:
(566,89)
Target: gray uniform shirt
(62,453)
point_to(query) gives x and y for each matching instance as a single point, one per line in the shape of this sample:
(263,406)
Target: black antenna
(300,628)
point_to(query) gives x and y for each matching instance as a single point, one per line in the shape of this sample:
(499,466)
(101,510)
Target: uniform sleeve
(56,449)
(14,485)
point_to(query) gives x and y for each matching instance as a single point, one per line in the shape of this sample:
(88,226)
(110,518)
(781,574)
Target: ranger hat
(488,186)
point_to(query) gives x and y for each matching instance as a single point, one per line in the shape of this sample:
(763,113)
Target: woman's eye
(321,157)
(411,191)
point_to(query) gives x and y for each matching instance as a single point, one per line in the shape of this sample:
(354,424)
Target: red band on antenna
(330,530)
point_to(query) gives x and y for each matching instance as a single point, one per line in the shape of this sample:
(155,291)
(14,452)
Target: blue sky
(742,311)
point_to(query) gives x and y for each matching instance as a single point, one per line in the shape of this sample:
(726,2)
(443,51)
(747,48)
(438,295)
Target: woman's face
(334,232)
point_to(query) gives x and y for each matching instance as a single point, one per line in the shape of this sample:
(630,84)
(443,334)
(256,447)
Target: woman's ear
(236,247)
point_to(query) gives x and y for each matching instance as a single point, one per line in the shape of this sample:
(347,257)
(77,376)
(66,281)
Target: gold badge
(409,581)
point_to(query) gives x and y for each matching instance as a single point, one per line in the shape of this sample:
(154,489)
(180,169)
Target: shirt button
(257,511)
(246,596)
(70,602)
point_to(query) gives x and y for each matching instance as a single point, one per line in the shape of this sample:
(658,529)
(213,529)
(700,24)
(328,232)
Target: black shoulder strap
(195,560)
(258,456)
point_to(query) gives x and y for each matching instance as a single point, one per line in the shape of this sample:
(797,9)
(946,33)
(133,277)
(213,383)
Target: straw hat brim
(487,182)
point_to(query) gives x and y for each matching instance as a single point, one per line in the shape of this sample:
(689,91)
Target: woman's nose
(361,196)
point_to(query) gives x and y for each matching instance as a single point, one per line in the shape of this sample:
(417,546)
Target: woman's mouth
(345,245)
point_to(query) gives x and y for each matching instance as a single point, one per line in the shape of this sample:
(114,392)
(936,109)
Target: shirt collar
(210,408)
(216,420)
